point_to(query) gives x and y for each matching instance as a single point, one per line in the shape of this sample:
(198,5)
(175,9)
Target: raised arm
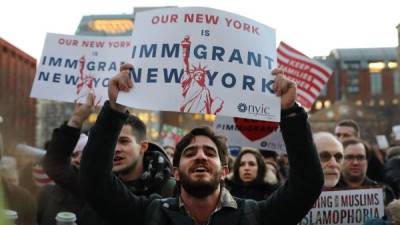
(102,189)
(291,202)
(57,161)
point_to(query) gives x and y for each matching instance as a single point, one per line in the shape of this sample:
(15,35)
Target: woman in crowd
(249,176)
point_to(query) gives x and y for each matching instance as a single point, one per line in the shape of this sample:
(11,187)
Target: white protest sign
(396,132)
(73,66)
(346,207)
(382,141)
(258,134)
(202,60)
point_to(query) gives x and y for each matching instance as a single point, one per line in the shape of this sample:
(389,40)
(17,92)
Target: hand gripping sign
(202,60)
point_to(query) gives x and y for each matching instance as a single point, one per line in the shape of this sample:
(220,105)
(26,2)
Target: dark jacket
(256,191)
(53,199)
(392,175)
(288,205)
(57,165)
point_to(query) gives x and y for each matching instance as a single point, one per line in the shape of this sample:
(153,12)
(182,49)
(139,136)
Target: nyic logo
(242,107)
(253,109)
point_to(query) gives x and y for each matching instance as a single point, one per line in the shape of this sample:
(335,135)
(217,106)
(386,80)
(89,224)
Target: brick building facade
(17,109)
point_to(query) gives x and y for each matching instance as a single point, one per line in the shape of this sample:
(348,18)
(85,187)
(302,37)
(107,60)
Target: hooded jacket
(156,179)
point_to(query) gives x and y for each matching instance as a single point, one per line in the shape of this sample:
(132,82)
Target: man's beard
(199,189)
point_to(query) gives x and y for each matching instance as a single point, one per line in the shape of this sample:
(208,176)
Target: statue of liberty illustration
(196,95)
(85,85)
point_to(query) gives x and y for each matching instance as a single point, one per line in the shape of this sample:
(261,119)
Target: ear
(144,145)
(224,172)
(176,173)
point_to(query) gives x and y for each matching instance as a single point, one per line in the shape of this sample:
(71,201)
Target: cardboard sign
(382,141)
(263,135)
(202,60)
(396,132)
(346,207)
(71,67)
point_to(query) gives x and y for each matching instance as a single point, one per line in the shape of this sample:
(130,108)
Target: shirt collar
(225,200)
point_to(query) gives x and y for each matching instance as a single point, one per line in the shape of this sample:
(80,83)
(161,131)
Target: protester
(142,167)
(392,169)
(249,173)
(350,129)
(200,166)
(354,169)
(55,198)
(330,152)
(393,210)
(273,170)
(347,129)
(169,150)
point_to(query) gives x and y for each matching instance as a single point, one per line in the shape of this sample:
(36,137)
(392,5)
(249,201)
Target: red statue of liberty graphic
(85,84)
(196,95)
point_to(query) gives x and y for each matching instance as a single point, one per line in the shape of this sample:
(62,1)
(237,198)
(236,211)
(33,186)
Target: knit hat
(83,138)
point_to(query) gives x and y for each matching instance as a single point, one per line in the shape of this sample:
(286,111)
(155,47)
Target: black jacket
(69,194)
(392,175)
(111,199)
(255,191)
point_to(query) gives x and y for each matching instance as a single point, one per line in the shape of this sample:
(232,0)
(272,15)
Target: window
(352,81)
(396,82)
(352,65)
(376,83)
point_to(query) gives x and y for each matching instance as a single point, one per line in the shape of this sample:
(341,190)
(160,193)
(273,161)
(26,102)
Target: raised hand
(82,112)
(120,82)
(284,88)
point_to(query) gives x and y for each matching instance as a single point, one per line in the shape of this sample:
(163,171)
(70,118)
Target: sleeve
(111,199)
(56,162)
(291,202)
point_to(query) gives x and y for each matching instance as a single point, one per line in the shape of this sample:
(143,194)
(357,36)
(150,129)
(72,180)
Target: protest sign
(263,135)
(309,75)
(171,135)
(396,132)
(346,207)
(71,67)
(202,60)
(382,141)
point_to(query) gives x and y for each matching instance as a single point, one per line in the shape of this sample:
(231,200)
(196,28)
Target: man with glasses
(354,168)
(355,165)
(330,152)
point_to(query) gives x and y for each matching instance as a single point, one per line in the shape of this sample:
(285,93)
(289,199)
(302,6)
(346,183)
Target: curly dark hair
(201,131)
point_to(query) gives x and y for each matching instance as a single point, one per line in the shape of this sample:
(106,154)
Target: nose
(246,166)
(332,162)
(201,154)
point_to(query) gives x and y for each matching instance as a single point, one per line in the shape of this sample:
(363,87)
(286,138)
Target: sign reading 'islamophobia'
(202,60)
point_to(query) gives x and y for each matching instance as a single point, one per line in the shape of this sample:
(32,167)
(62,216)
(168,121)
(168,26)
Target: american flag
(40,177)
(309,75)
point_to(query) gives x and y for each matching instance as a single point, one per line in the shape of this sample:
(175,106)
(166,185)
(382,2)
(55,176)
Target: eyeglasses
(326,156)
(355,157)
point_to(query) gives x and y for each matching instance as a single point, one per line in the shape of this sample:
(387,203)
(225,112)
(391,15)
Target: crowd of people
(112,174)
